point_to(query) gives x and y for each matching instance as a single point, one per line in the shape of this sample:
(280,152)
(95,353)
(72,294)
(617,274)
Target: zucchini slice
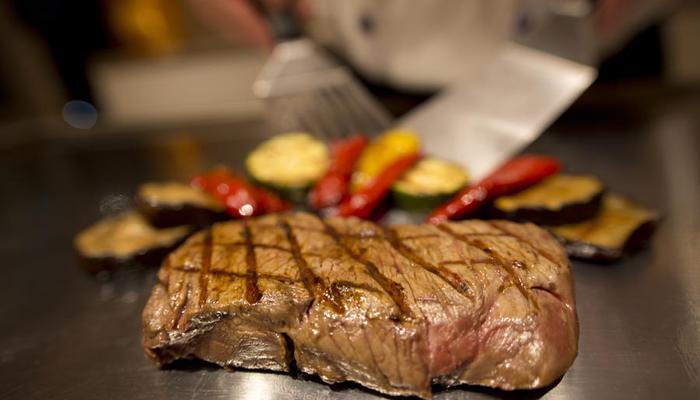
(620,227)
(428,184)
(126,240)
(558,200)
(168,204)
(289,164)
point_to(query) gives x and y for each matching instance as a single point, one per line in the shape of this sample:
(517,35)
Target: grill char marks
(313,283)
(393,309)
(393,289)
(443,273)
(478,243)
(252,292)
(507,232)
(234,275)
(207,250)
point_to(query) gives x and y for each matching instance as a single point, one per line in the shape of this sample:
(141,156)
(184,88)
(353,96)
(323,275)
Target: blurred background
(103,65)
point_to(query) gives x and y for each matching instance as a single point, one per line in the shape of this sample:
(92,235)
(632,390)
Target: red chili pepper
(240,198)
(515,175)
(271,202)
(362,202)
(333,187)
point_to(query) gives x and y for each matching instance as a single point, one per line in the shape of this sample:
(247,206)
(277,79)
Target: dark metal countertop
(66,335)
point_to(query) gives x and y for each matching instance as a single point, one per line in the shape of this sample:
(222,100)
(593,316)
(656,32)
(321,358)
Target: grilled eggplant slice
(428,184)
(558,200)
(126,240)
(289,164)
(620,227)
(169,204)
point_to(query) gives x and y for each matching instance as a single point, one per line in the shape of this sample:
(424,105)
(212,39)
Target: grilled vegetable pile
(592,224)
(360,177)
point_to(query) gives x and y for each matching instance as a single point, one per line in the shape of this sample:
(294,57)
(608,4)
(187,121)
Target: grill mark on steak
(181,307)
(393,289)
(499,261)
(449,277)
(243,244)
(468,262)
(178,308)
(537,250)
(236,275)
(342,284)
(207,250)
(313,283)
(261,246)
(353,285)
(252,292)
(323,231)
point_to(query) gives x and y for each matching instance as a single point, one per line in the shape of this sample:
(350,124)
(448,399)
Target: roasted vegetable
(380,153)
(367,198)
(515,175)
(428,184)
(288,164)
(620,227)
(557,200)
(239,197)
(126,240)
(168,204)
(334,186)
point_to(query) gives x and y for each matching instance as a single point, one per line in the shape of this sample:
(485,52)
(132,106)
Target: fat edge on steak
(395,309)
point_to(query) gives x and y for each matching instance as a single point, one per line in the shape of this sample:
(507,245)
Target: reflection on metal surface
(114,203)
(679,146)
(259,387)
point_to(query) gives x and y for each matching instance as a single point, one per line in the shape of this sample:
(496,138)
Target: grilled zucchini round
(428,184)
(289,164)
(558,200)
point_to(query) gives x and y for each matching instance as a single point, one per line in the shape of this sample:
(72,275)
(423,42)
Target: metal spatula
(484,119)
(304,88)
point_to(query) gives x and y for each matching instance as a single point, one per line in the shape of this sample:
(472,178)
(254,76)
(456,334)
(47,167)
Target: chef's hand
(243,20)
(610,15)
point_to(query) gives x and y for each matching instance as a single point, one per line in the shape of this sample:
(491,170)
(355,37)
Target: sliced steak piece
(394,309)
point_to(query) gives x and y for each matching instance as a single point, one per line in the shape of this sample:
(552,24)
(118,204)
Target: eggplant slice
(558,200)
(621,227)
(126,240)
(169,204)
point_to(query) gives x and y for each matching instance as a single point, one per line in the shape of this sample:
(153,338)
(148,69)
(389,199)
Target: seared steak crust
(395,309)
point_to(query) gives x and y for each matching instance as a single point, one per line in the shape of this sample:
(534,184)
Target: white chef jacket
(413,44)
(426,44)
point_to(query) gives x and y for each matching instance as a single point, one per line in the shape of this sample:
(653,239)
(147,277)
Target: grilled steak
(396,309)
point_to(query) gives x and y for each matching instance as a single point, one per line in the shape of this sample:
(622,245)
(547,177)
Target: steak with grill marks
(395,309)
